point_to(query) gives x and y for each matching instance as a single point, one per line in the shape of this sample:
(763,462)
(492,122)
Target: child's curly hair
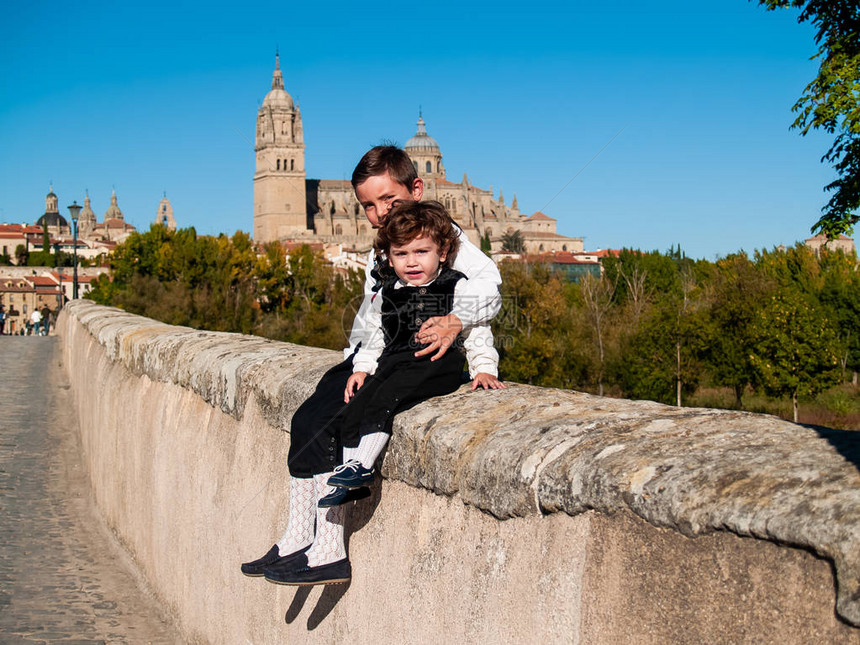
(408,220)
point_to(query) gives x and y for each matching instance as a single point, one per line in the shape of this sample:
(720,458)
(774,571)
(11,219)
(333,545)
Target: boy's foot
(351,475)
(297,560)
(344,496)
(325,574)
(272,558)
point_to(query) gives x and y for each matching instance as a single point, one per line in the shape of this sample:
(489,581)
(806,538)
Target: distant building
(280,201)
(56,223)
(94,237)
(841,243)
(21,295)
(164,216)
(571,266)
(87,220)
(14,235)
(113,227)
(288,206)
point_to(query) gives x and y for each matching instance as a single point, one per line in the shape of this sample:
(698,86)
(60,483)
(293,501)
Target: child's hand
(440,332)
(487,381)
(353,384)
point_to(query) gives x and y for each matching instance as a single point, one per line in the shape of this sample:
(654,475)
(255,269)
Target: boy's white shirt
(475,303)
(478,344)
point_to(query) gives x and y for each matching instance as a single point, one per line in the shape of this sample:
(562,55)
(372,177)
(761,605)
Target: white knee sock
(328,545)
(300,526)
(370,447)
(349,453)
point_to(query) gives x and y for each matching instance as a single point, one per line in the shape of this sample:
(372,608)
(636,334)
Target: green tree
(227,284)
(660,354)
(737,291)
(514,242)
(40,259)
(831,102)
(597,295)
(536,331)
(840,294)
(794,347)
(21,255)
(486,244)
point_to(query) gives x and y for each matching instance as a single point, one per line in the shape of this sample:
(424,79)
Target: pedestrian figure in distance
(36,319)
(46,320)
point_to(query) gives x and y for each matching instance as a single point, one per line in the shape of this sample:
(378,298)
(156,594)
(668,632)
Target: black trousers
(323,425)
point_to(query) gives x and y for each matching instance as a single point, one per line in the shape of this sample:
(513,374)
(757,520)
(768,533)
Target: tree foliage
(225,284)
(659,326)
(794,349)
(652,325)
(831,102)
(514,242)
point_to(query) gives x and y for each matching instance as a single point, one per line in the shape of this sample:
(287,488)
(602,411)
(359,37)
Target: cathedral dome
(113,211)
(278,96)
(52,217)
(52,220)
(421,141)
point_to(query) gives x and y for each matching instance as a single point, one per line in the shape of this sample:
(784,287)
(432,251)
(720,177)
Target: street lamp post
(75,210)
(60,294)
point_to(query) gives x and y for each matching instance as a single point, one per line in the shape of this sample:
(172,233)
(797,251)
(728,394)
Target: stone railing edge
(528,450)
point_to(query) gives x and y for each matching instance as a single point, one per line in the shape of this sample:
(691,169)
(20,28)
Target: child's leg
(326,561)
(369,448)
(300,526)
(328,543)
(299,533)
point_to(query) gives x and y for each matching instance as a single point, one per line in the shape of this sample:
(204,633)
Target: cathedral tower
(425,153)
(280,205)
(164,216)
(87,220)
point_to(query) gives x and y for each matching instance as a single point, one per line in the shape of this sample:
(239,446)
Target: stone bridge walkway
(63,577)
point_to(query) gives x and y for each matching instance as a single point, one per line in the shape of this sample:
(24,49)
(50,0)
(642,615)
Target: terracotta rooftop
(42,281)
(19,228)
(538,216)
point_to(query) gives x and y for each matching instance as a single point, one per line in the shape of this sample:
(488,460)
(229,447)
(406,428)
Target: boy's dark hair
(409,220)
(385,159)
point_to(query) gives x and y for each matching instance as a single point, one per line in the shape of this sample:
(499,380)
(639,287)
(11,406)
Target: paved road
(63,578)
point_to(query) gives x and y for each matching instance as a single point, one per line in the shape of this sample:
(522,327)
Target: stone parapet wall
(521,515)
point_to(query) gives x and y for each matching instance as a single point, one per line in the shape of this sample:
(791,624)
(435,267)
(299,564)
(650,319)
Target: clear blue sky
(155,97)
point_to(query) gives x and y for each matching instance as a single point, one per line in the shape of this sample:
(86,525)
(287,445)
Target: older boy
(384,176)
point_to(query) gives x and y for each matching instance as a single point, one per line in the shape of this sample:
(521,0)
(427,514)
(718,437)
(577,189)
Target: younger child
(420,243)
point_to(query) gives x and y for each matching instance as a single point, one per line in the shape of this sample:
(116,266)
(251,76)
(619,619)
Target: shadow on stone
(845,442)
(298,604)
(330,596)
(360,512)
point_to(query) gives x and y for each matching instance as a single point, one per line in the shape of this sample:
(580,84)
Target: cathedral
(112,228)
(290,207)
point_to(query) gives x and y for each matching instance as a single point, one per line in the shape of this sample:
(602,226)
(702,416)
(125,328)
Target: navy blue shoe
(351,475)
(325,574)
(291,562)
(256,567)
(344,496)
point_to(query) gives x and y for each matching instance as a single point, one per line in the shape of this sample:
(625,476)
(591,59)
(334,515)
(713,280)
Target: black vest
(404,310)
